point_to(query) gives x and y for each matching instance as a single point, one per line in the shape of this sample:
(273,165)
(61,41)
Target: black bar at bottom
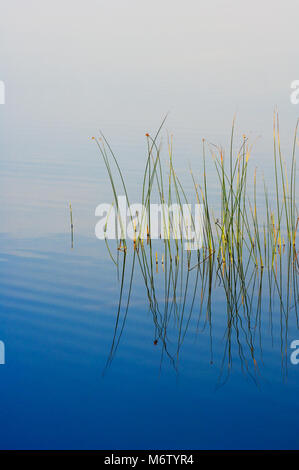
(140,458)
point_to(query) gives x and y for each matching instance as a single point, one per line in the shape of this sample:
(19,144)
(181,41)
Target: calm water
(58,318)
(71,69)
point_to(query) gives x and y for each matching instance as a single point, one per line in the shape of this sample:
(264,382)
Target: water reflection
(181,298)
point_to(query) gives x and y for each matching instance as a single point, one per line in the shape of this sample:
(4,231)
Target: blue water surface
(58,310)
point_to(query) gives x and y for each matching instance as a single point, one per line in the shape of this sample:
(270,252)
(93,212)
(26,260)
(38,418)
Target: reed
(72,226)
(242,240)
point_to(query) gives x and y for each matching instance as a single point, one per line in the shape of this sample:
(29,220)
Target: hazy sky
(71,67)
(96,62)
